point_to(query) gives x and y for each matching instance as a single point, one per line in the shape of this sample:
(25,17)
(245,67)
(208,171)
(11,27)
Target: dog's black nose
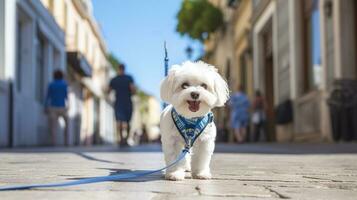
(195,95)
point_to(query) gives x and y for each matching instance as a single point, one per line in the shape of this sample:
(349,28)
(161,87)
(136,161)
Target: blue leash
(117,177)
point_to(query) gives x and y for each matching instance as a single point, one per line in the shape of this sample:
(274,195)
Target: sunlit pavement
(249,171)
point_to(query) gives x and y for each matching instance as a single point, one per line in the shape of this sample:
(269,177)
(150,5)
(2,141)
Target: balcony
(79,63)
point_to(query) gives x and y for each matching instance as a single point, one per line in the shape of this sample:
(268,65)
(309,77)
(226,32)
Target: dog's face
(194,88)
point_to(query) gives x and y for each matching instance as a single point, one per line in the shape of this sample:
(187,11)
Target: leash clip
(188,144)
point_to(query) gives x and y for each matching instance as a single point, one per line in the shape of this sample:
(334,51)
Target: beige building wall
(242,27)
(227,46)
(229,50)
(82,33)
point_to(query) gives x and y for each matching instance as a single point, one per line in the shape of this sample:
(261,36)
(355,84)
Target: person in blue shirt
(56,105)
(239,106)
(124,88)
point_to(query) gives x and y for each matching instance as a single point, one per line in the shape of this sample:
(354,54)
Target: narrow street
(249,171)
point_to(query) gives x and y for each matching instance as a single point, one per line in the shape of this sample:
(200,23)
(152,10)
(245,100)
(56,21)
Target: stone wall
(283,53)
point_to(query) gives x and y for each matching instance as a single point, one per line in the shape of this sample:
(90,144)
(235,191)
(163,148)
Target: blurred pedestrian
(124,88)
(56,105)
(258,116)
(239,105)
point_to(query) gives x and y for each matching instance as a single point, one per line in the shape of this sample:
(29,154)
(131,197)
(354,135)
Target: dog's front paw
(188,168)
(175,176)
(205,175)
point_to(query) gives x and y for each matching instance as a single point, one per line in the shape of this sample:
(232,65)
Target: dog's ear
(221,89)
(166,86)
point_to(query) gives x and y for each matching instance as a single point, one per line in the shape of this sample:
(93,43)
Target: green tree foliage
(114,61)
(198,18)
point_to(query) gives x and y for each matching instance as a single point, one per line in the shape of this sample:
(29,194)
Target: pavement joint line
(160,192)
(238,195)
(323,179)
(255,180)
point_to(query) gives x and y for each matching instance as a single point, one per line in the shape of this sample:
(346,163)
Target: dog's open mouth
(194,106)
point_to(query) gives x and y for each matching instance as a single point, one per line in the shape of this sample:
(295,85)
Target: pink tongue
(194,106)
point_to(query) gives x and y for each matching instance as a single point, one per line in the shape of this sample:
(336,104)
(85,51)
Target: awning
(79,63)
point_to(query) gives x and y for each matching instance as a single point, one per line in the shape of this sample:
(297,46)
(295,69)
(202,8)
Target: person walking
(239,106)
(258,116)
(124,88)
(56,105)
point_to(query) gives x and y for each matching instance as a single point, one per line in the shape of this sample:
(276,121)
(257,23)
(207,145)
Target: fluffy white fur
(176,89)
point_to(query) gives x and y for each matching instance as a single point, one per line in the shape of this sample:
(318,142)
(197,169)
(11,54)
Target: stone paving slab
(252,171)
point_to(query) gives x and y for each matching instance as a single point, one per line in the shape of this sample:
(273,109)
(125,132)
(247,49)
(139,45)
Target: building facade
(292,51)
(300,48)
(229,49)
(92,118)
(144,125)
(4,89)
(32,46)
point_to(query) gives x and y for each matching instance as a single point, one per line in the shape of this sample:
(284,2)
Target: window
(311,74)
(65,13)
(56,59)
(76,37)
(19,45)
(228,72)
(256,3)
(51,6)
(355,3)
(40,67)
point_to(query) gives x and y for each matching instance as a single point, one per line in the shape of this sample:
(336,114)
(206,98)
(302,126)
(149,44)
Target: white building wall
(75,97)
(29,121)
(4,92)
(345,39)
(107,126)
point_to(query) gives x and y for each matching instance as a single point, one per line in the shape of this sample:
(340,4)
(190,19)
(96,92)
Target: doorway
(355,18)
(268,63)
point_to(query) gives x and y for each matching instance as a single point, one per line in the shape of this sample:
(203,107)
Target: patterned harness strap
(190,129)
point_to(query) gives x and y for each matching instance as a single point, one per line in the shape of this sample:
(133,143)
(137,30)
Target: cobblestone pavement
(249,171)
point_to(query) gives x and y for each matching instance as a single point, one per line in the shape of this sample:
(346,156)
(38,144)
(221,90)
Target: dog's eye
(185,85)
(204,85)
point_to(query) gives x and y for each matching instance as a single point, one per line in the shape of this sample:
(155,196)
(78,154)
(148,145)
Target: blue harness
(190,129)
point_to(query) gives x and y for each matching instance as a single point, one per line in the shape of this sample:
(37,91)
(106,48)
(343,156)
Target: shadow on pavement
(151,177)
(288,148)
(248,148)
(88,157)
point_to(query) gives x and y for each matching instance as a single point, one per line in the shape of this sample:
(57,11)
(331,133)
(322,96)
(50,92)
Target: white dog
(192,89)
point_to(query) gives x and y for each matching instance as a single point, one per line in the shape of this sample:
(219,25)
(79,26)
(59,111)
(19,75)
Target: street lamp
(189,51)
